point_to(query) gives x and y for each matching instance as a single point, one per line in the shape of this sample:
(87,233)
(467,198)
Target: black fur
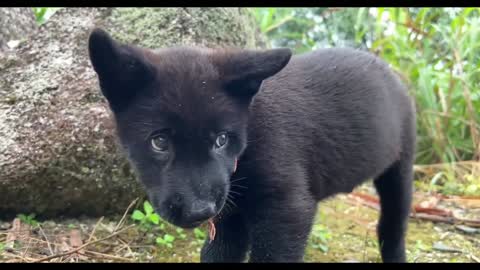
(303,128)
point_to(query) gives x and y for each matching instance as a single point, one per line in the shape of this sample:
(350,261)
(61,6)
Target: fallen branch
(425,213)
(435,218)
(107,256)
(475,258)
(120,223)
(95,229)
(46,239)
(83,246)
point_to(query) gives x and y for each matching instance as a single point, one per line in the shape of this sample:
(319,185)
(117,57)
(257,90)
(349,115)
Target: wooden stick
(125,214)
(83,246)
(46,239)
(444,216)
(108,256)
(94,229)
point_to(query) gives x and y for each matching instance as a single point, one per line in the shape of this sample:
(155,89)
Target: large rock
(58,154)
(16,24)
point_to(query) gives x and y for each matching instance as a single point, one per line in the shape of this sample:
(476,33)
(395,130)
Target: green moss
(150,27)
(164,27)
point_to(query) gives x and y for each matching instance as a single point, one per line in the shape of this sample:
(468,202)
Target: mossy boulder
(58,151)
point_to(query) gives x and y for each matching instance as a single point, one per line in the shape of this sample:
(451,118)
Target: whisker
(229,199)
(239,186)
(228,208)
(234,192)
(238,179)
(234,204)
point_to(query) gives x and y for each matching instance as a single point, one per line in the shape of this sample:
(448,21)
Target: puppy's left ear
(122,69)
(244,71)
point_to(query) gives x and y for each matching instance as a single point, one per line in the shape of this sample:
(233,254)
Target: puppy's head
(181,116)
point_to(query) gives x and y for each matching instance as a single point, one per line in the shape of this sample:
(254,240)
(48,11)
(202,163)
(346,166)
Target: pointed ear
(244,71)
(122,70)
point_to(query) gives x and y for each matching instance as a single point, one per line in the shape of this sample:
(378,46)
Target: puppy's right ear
(122,70)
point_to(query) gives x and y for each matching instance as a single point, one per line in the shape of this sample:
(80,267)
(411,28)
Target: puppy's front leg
(280,230)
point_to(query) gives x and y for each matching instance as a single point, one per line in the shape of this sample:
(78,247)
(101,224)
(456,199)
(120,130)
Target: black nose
(200,211)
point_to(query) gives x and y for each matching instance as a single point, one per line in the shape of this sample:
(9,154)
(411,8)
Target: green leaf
(199,234)
(137,215)
(472,190)
(323,247)
(148,208)
(154,218)
(169,238)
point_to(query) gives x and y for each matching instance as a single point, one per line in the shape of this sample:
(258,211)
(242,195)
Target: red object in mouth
(211,229)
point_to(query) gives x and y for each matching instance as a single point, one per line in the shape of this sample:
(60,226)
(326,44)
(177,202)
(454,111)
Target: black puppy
(302,128)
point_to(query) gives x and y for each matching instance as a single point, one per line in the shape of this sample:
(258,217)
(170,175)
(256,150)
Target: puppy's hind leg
(395,191)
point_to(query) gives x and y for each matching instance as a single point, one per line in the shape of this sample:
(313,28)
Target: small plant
(30,219)
(451,185)
(200,236)
(42,14)
(320,237)
(167,240)
(148,217)
(180,233)
(2,249)
(417,251)
(473,185)
(419,245)
(452,188)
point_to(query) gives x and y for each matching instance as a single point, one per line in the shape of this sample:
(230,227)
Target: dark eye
(160,143)
(221,140)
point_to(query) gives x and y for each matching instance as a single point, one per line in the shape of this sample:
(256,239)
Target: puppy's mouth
(179,222)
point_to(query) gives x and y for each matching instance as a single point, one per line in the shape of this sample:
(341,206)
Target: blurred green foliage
(436,51)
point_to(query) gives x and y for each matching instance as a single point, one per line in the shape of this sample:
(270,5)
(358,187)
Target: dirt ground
(344,232)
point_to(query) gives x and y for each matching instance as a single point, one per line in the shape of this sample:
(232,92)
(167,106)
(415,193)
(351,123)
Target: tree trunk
(58,152)
(16,24)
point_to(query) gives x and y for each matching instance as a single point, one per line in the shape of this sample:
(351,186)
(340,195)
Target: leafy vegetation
(446,182)
(148,217)
(150,221)
(435,50)
(42,14)
(320,237)
(30,219)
